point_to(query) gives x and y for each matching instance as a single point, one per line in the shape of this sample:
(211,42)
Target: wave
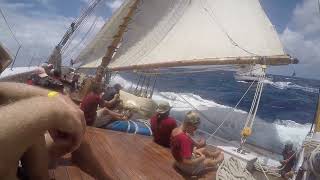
(177,100)
(289,130)
(268,135)
(288,85)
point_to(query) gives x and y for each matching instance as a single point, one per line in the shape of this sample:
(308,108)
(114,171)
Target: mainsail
(5,58)
(170,33)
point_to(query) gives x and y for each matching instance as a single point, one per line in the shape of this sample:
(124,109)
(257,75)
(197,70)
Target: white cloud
(301,38)
(114,5)
(38,31)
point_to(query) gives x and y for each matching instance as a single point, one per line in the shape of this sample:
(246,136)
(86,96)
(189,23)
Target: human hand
(69,125)
(117,97)
(202,142)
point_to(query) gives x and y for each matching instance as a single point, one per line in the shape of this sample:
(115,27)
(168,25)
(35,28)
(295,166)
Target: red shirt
(89,106)
(162,131)
(29,82)
(181,147)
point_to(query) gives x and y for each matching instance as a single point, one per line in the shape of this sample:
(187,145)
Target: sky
(40,24)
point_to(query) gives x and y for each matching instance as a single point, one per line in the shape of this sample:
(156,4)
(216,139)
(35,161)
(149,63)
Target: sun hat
(192,117)
(163,107)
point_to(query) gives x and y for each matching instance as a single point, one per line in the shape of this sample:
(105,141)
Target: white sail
(170,33)
(99,45)
(5,58)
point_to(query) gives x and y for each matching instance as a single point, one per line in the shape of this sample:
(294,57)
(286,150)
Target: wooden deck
(125,156)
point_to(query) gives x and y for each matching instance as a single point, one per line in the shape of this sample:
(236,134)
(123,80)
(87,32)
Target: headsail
(170,33)
(5,58)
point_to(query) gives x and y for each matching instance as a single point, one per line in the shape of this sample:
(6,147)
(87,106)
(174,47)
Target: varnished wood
(117,38)
(126,156)
(271,60)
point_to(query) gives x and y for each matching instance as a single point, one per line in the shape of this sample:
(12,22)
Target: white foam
(268,135)
(289,130)
(177,100)
(290,85)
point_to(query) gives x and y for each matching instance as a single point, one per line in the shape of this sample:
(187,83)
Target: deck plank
(126,156)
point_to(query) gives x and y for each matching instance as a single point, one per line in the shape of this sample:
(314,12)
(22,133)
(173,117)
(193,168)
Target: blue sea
(286,110)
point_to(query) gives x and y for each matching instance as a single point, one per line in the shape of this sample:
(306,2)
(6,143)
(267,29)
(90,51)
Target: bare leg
(209,163)
(102,118)
(84,158)
(209,154)
(35,161)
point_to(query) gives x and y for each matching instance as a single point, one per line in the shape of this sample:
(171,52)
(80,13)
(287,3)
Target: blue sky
(40,24)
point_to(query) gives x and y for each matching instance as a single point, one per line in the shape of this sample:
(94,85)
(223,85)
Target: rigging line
(75,33)
(9,27)
(229,113)
(233,42)
(69,53)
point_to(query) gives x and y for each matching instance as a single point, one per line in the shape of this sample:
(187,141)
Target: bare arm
(200,144)
(23,122)
(16,91)
(115,115)
(110,103)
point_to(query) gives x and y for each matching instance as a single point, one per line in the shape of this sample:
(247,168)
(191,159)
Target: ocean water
(286,110)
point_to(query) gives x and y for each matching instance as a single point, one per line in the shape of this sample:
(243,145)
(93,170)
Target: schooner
(145,36)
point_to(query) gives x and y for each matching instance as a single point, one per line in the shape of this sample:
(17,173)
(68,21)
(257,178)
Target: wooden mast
(116,39)
(101,70)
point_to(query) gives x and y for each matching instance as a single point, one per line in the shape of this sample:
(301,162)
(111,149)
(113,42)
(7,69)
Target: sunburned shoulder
(176,132)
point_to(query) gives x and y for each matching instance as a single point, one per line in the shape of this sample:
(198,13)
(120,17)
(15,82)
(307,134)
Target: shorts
(101,119)
(191,169)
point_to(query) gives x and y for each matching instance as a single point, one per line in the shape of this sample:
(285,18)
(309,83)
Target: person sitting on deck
(191,159)
(111,92)
(289,159)
(162,125)
(90,105)
(41,78)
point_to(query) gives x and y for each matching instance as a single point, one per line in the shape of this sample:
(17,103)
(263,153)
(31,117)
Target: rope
(69,53)
(315,161)
(9,27)
(136,127)
(264,172)
(232,169)
(229,113)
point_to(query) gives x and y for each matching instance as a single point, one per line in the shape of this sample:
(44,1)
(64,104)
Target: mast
(101,70)
(116,40)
